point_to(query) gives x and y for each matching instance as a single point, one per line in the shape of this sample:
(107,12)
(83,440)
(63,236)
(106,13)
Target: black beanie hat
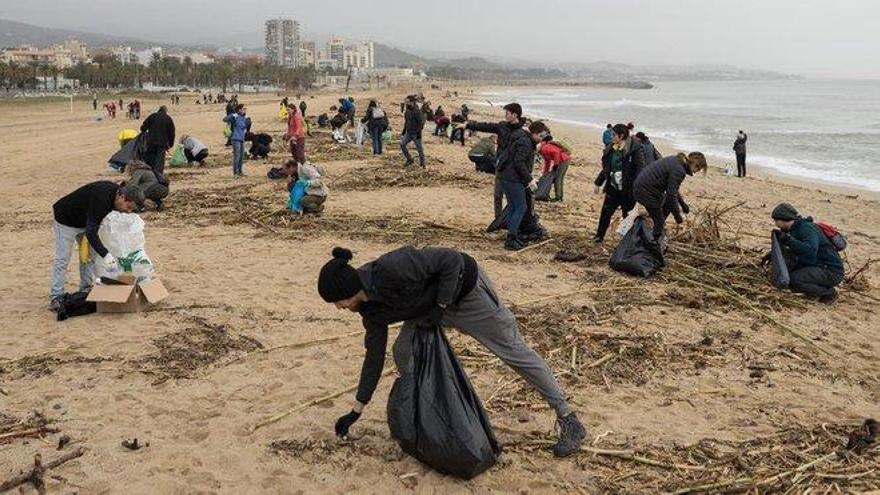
(515,108)
(338,280)
(785,212)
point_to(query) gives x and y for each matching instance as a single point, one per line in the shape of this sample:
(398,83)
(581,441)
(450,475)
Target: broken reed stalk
(35,475)
(628,455)
(308,404)
(27,433)
(748,304)
(533,246)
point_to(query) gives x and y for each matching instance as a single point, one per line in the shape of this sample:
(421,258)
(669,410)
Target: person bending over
(435,286)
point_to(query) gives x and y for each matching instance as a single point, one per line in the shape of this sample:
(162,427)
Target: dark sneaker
(408,163)
(55,305)
(829,299)
(571,434)
(598,240)
(513,244)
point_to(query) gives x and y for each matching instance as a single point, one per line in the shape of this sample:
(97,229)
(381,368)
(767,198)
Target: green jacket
(811,247)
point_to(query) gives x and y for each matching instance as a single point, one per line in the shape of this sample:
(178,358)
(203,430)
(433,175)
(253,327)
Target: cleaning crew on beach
(435,286)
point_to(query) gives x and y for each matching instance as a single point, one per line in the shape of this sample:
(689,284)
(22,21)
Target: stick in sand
(35,475)
(533,246)
(308,404)
(27,433)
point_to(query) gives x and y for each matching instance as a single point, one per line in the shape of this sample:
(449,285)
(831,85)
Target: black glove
(344,423)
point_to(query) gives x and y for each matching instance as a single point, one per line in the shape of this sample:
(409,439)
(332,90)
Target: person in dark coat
(739,147)
(652,154)
(657,187)
(622,160)
(159,138)
(818,268)
(413,125)
(426,288)
(138,173)
(513,172)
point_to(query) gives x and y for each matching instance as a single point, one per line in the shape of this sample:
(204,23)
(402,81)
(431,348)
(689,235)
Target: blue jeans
(66,239)
(377,142)
(414,138)
(237,157)
(515,192)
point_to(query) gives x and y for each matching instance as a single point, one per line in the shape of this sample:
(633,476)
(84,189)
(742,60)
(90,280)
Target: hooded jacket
(633,164)
(406,284)
(414,121)
(516,151)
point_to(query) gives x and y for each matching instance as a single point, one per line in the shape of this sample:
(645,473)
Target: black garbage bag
(75,304)
(779,275)
(132,150)
(435,415)
(637,254)
(545,184)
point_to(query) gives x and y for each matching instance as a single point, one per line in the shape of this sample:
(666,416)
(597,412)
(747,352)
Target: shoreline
(755,171)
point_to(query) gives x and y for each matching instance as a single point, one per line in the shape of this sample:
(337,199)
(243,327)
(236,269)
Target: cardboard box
(130,297)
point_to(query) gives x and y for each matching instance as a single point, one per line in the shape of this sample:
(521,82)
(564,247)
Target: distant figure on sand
(78,215)
(159,129)
(818,268)
(138,173)
(239,123)
(193,149)
(296,133)
(556,158)
(608,135)
(414,123)
(739,147)
(261,144)
(622,160)
(377,123)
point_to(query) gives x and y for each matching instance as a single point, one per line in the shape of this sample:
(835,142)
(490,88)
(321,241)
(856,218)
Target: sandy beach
(663,369)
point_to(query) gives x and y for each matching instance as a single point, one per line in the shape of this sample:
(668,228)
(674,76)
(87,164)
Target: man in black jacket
(622,160)
(413,125)
(159,129)
(513,172)
(434,286)
(739,147)
(79,214)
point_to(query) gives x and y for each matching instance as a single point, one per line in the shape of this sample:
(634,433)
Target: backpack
(835,237)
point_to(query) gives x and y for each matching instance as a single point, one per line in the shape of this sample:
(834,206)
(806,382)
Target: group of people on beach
(443,286)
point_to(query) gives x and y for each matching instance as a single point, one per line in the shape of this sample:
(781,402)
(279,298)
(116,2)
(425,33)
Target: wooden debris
(36,474)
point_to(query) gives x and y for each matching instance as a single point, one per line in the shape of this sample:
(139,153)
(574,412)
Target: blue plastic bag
(294,203)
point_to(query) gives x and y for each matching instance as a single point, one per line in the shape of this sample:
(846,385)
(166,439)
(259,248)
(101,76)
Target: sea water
(816,129)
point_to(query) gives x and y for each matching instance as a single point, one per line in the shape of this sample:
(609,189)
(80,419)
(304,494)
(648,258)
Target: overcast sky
(831,38)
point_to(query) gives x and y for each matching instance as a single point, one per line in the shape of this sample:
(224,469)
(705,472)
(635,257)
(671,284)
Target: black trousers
(815,281)
(614,199)
(154,156)
(740,164)
(199,157)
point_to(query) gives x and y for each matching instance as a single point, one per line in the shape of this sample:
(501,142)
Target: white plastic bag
(123,236)
(729,170)
(626,223)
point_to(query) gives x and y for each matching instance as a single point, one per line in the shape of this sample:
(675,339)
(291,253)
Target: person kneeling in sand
(818,268)
(435,286)
(138,173)
(193,149)
(313,182)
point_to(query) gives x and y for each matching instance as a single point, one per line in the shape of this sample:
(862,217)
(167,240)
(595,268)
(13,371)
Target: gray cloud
(813,37)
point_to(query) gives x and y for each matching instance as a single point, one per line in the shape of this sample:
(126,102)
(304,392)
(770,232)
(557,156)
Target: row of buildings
(286,47)
(61,56)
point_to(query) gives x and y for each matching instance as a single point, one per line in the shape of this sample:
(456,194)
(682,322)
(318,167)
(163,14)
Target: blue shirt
(607,136)
(239,126)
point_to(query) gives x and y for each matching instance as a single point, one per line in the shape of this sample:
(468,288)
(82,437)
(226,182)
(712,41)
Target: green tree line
(106,71)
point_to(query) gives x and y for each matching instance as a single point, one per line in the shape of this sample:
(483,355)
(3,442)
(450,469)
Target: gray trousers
(815,281)
(559,182)
(482,316)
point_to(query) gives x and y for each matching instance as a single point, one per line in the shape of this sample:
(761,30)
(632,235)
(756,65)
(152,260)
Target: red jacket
(295,127)
(553,155)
